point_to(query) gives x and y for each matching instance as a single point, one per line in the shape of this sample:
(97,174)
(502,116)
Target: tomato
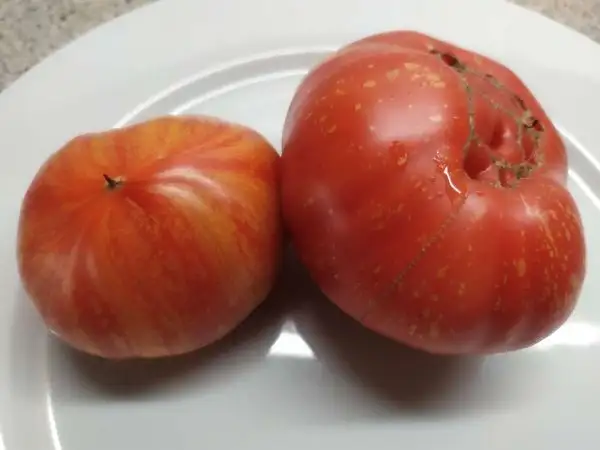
(152,240)
(424,188)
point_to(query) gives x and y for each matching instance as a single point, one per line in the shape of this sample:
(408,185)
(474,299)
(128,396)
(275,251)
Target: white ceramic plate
(297,373)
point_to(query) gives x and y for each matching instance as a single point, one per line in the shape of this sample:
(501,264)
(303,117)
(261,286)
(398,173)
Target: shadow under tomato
(398,376)
(75,374)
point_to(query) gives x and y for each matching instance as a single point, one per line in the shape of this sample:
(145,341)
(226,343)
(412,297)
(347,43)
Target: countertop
(32,29)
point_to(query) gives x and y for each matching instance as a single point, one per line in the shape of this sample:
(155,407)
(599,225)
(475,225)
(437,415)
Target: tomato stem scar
(525,121)
(112,183)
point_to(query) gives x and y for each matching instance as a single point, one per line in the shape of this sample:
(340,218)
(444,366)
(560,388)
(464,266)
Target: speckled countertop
(32,29)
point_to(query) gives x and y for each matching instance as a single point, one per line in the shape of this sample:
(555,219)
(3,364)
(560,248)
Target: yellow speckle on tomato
(441,273)
(369,84)
(521,267)
(391,75)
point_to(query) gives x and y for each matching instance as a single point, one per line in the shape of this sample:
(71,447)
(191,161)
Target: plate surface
(297,372)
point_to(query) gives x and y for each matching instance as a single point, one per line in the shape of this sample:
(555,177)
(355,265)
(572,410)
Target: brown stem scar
(525,122)
(509,174)
(112,183)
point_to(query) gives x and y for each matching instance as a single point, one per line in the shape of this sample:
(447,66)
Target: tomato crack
(449,59)
(433,239)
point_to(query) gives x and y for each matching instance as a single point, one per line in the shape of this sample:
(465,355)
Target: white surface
(298,373)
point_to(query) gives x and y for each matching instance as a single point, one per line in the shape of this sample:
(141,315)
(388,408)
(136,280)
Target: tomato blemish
(449,59)
(519,101)
(411,66)
(531,122)
(521,267)
(493,159)
(391,75)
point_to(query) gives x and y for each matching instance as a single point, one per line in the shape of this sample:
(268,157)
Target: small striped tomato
(152,240)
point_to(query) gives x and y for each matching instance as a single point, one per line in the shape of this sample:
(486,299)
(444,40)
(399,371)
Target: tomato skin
(170,260)
(424,188)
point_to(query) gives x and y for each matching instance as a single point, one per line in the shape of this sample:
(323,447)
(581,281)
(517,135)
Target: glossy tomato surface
(152,240)
(424,188)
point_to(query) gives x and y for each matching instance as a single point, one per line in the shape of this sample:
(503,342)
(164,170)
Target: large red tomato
(152,240)
(424,188)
